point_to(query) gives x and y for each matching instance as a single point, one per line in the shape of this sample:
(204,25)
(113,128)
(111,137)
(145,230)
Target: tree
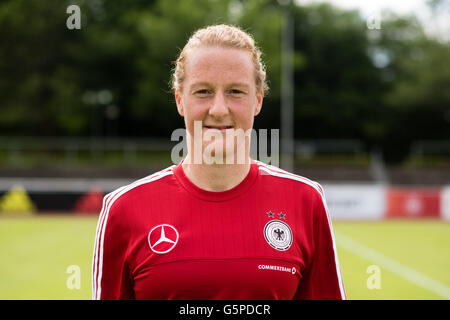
(338,89)
(386,87)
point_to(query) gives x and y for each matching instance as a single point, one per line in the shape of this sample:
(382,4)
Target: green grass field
(411,258)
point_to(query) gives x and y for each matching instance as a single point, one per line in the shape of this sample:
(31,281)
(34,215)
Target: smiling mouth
(218,127)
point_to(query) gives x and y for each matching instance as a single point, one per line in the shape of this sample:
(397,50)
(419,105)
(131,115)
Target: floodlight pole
(287,91)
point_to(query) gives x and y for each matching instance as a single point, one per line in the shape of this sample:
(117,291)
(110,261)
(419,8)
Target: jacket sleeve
(111,277)
(322,279)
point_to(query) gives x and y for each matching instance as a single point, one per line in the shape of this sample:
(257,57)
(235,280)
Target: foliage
(386,87)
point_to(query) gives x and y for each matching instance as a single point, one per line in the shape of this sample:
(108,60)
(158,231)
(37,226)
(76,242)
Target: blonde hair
(220,35)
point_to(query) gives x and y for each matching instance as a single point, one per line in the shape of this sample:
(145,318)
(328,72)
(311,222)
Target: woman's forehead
(227,64)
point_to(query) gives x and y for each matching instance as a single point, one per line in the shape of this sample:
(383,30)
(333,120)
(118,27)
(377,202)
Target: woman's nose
(219,107)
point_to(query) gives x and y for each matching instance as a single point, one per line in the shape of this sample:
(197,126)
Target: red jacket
(270,237)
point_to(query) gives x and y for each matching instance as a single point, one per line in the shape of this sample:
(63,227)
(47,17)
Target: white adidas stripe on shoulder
(108,200)
(274,171)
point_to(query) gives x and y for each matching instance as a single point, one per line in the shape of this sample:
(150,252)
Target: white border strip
(283,174)
(445,203)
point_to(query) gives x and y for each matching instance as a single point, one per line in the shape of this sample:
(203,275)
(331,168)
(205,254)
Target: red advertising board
(413,202)
(89,203)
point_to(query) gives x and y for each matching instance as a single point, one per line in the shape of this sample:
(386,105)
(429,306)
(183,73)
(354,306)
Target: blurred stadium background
(84,111)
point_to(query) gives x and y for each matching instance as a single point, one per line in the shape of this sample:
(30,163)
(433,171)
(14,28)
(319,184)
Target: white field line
(393,266)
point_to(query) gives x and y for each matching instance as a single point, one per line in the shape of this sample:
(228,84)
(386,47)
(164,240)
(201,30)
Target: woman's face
(219,96)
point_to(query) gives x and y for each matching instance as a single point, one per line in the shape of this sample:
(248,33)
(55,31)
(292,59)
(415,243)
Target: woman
(217,225)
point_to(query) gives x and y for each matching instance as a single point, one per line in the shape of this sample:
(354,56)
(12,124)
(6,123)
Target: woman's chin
(221,154)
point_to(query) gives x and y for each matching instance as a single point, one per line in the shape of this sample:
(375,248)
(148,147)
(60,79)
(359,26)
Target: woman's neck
(216,177)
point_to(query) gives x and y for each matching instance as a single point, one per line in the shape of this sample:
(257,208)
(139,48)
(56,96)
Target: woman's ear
(259,100)
(178,100)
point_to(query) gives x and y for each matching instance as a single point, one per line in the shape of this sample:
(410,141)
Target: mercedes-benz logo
(162,238)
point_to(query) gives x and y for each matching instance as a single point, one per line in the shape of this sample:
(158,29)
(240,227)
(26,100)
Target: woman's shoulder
(283,177)
(128,192)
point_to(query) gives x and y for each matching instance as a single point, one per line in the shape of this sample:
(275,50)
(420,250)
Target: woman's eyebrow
(209,85)
(199,84)
(239,84)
